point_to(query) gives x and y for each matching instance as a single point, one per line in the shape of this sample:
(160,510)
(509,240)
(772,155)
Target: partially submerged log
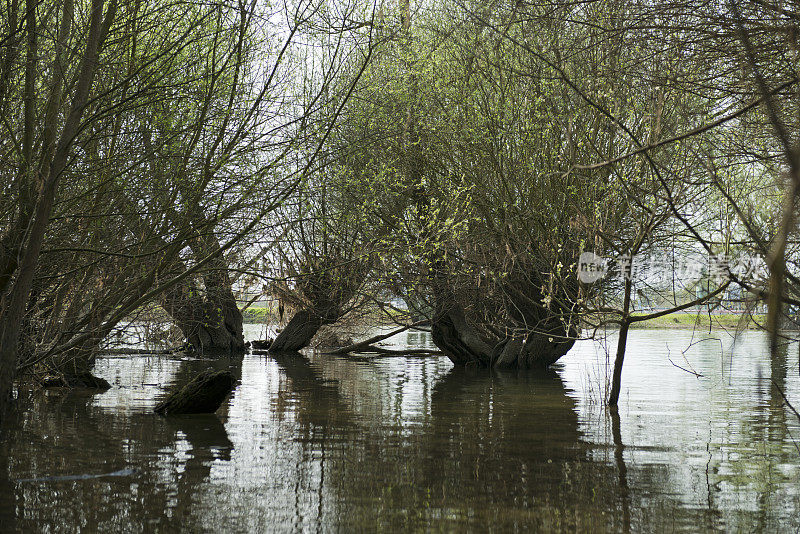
(81,380)
(145,352)
(261,344)
(205,393)
(400,353)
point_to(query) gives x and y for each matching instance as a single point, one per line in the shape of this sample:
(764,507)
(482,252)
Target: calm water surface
(319,443)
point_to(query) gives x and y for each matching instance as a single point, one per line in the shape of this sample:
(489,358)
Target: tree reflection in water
(63,434)
(312,442)
(499,449)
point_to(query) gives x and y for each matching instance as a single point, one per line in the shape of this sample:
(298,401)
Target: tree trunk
(465,346)
(210,321)
(74,369)
(74,366)
(539,350)
(8,489)
(209,318)
(616,381)
(299,332)
(458,340)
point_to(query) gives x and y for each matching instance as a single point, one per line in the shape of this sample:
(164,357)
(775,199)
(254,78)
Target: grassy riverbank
(703,320)
(730,321)
(259,314)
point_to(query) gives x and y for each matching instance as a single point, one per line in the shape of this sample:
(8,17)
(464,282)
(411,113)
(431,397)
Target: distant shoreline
(728,321)
(685,320)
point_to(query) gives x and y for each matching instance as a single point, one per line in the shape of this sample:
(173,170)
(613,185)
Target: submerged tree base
(299,332)
(203,394)
(465,346)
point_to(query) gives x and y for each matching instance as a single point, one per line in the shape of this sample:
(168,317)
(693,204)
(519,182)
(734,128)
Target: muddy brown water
(317,443)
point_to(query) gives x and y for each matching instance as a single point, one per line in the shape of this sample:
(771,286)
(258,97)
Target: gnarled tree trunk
(73,368)
(323,294)
(209,319)
(459,340)
(538,336)
(537,350)
(208,316)
(465,346)
(299,332)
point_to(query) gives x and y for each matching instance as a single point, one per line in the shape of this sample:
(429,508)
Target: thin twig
(785,399)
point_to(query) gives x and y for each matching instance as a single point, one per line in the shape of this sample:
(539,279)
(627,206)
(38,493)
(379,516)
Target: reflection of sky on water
(317,441)
(726,436)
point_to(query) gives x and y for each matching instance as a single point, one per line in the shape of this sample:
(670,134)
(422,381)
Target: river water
(703,441)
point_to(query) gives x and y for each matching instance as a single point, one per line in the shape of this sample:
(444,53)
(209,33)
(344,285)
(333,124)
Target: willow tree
(237,140)
(41,127)
(321,287)
(114,226)
(110,232)
(156,141)
(324,260)
(464,137)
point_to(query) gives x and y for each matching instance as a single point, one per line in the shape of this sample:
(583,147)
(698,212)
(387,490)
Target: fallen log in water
(80,380)
(203,394)
(140,352)
(372,349)
(368,344)
(261,344)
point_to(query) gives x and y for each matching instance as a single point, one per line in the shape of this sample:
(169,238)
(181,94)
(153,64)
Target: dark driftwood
(81,380)
(143,352)
(260,344)
(204,394)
